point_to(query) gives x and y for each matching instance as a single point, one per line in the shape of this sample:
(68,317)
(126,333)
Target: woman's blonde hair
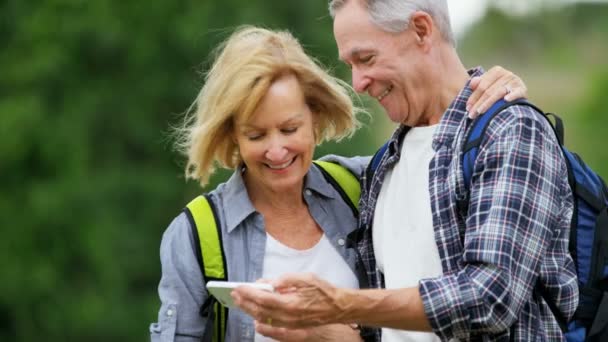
(246,65)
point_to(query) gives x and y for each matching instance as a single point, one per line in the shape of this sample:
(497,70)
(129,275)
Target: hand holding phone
(221,290)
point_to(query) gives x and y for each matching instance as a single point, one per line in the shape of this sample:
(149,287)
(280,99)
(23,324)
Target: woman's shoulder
(356,165)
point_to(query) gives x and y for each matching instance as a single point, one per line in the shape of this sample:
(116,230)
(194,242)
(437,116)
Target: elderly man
(470,274)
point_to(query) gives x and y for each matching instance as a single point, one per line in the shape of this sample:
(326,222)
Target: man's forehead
(353,31)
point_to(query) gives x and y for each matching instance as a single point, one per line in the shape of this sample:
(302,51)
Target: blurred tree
(560,53)
(88,90)
(594,118)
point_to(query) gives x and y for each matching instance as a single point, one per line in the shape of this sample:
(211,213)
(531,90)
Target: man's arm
(516,200)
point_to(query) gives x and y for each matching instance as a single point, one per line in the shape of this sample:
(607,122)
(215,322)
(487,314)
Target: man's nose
(360,81)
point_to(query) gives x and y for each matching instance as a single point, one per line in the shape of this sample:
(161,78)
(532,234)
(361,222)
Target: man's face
(385,65)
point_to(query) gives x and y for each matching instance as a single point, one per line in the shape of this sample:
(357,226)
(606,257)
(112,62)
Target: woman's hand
(497,83)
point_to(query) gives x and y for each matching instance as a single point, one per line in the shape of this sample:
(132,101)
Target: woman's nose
(276,151)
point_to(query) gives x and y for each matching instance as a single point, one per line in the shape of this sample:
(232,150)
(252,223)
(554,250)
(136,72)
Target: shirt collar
(236,203)
(456,112)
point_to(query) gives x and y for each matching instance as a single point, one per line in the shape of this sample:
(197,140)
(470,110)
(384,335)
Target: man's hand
(332,332)
(498,83)
(304,301)
(300,301)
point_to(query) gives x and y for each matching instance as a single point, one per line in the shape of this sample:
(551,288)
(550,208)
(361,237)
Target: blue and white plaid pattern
(514,234)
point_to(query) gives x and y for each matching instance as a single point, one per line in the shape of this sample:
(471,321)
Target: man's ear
(423,26)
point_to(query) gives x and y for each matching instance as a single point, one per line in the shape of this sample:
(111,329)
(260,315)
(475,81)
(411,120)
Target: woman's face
(277,142)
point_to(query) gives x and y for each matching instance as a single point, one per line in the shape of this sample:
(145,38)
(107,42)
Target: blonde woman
(264,107)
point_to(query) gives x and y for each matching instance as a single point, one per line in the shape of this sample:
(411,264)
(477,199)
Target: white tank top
(322,259)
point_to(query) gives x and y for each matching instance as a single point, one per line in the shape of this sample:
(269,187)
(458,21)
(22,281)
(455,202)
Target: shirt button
(341,242)
(308,192)
(169,312)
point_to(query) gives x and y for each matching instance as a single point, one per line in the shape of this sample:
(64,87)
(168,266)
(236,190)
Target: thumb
(290,282)
(474,82)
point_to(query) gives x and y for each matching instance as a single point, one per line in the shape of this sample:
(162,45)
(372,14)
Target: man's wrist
(346,303)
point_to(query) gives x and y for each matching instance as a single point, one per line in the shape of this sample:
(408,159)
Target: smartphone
(221,290)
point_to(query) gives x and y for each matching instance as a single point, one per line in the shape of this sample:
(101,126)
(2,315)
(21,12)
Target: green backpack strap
(343,181)
(210,255)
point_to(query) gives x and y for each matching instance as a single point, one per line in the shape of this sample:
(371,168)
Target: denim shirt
(181,289)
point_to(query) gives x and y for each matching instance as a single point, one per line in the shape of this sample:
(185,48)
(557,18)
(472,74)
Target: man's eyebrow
(354,53)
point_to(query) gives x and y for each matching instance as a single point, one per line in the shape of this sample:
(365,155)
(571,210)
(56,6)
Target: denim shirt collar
(238,206)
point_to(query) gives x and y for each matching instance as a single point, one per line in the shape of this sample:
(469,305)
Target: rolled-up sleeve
(516,200)
(181,289)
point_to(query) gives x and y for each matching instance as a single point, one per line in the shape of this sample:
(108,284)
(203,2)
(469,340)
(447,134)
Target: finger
(260,304)
(474,83)
(491,89)
(289,282)
(248,299)
(502,87)
(483,83)
(264,281)
(519,89)
(490,97)
(279,333)
(519,93)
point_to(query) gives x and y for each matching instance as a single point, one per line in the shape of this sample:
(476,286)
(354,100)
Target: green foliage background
(89,181)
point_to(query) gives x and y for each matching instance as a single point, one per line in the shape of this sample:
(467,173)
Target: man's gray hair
(394,15)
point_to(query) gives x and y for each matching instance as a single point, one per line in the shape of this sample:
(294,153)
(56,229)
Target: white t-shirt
(322,259)
(403,235)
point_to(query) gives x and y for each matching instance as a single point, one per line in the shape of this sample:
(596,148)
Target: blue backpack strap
(474,138)
(375,162)
(477,132)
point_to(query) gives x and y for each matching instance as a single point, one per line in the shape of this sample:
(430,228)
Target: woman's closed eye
(254,136)
(289,130)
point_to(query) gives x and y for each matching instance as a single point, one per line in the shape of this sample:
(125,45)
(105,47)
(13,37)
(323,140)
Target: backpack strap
(378,157)
(211,258)
(374,163)
(477,132)
(343,181)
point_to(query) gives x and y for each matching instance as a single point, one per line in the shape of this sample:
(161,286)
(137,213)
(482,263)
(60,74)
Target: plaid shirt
(513,236)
